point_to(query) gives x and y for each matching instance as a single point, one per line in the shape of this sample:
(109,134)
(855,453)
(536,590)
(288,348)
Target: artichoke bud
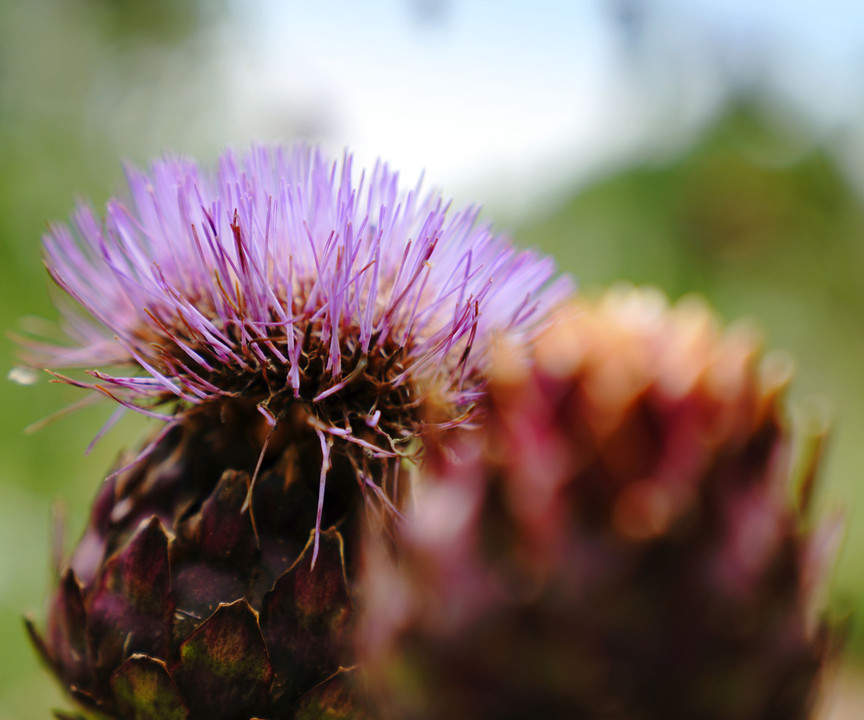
(619,538)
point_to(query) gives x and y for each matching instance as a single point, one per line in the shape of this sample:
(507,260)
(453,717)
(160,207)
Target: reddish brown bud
(617,540)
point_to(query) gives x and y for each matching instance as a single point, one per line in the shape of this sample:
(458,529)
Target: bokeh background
(708,146)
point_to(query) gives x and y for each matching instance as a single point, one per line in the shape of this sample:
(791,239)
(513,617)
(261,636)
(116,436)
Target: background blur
(710,146)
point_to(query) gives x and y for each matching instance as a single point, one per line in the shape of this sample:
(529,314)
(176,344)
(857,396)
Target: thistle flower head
(286,280)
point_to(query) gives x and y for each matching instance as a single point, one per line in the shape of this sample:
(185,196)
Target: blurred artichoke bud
(624,537)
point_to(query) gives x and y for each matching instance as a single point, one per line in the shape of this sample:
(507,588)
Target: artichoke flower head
(288,321)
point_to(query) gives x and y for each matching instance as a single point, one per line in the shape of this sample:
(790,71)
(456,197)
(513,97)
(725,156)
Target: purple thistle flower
(283,280)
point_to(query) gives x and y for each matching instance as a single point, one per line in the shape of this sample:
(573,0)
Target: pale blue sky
(522,94)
